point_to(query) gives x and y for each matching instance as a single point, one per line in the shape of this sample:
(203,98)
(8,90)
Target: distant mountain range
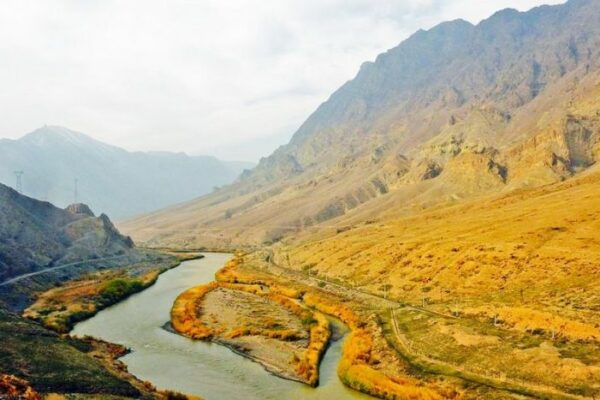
(458,111)
(63,166)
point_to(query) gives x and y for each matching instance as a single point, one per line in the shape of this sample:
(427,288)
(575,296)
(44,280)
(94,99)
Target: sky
(230,78)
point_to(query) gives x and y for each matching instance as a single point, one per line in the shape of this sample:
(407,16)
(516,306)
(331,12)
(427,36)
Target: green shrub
(117,289)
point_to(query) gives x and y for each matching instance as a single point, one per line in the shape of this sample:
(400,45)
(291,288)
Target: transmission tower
(19,175)
(75,191)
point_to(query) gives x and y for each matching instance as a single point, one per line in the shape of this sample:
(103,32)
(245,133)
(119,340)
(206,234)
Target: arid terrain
(449,202)
(453,113)
(443,206)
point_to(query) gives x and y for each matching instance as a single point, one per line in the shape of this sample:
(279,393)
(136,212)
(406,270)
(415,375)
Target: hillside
(534,247)
(452,113)
(35,235)
(42,246)
(109,179)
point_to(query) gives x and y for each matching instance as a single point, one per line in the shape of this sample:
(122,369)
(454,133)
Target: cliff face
(450,113)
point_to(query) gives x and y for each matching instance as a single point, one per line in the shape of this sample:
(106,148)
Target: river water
(209,370)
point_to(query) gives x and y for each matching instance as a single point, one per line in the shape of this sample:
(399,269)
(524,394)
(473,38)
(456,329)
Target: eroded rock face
(80,209)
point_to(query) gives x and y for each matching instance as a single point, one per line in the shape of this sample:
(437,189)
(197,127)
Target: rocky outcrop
(80,209)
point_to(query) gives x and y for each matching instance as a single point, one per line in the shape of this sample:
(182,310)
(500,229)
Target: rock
(80,209)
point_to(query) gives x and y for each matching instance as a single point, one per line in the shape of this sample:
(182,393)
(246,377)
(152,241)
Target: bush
(117,289)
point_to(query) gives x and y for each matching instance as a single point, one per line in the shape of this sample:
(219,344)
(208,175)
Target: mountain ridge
(457,111)
(109,178)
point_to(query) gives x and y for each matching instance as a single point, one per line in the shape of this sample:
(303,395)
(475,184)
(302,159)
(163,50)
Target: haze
(233,79)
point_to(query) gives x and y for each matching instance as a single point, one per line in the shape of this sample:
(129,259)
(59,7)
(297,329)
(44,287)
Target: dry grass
(368,362)
(256,316)
(547,237)
(528,261)
(184,313)
(59,308)
(541,322)
(354,371)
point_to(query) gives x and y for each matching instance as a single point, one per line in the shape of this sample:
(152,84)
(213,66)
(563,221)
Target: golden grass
(184,313)
(185,317)
(531,249)
(528,320)
(12,387)
(308,365)
(329,305)
(361,366)
(59,307)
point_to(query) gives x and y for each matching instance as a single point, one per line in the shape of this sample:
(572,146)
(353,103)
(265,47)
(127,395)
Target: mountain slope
(541,240)
(35,235)
(109,179)
(42,246)
(451,113)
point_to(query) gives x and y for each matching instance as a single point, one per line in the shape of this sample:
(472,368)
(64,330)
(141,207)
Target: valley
(430,232)
(212,371)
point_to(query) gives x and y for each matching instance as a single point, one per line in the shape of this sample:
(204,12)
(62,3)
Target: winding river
(208,370)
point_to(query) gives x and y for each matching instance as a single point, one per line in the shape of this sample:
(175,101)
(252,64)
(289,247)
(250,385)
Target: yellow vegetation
(527,320)
(328,305)
(184,313)
(185,318)
(59,308)
(308,366)
(12,387)
(354,370)
(360,368)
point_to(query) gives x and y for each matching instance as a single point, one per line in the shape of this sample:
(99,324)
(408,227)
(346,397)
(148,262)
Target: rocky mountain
(35,235)
(109,179)
(451,113)
(44,247)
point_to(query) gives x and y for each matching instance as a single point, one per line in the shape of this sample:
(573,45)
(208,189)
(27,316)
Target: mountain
(452,113)
(42,245)
(109,179)
(35,235)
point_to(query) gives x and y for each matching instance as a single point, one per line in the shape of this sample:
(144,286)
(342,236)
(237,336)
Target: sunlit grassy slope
(531,249)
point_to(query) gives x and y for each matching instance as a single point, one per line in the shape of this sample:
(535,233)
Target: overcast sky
(232,78)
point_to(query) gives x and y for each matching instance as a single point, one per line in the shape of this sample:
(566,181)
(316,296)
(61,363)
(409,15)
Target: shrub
(117,289)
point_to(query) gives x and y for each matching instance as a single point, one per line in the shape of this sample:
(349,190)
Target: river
(208,370)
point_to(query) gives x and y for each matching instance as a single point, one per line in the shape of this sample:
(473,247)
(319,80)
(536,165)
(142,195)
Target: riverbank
(60,308)
(171,361)
(368,363)
(60,365)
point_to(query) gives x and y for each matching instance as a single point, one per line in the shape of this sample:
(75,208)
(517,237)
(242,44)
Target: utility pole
(75,193)
(19,175)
